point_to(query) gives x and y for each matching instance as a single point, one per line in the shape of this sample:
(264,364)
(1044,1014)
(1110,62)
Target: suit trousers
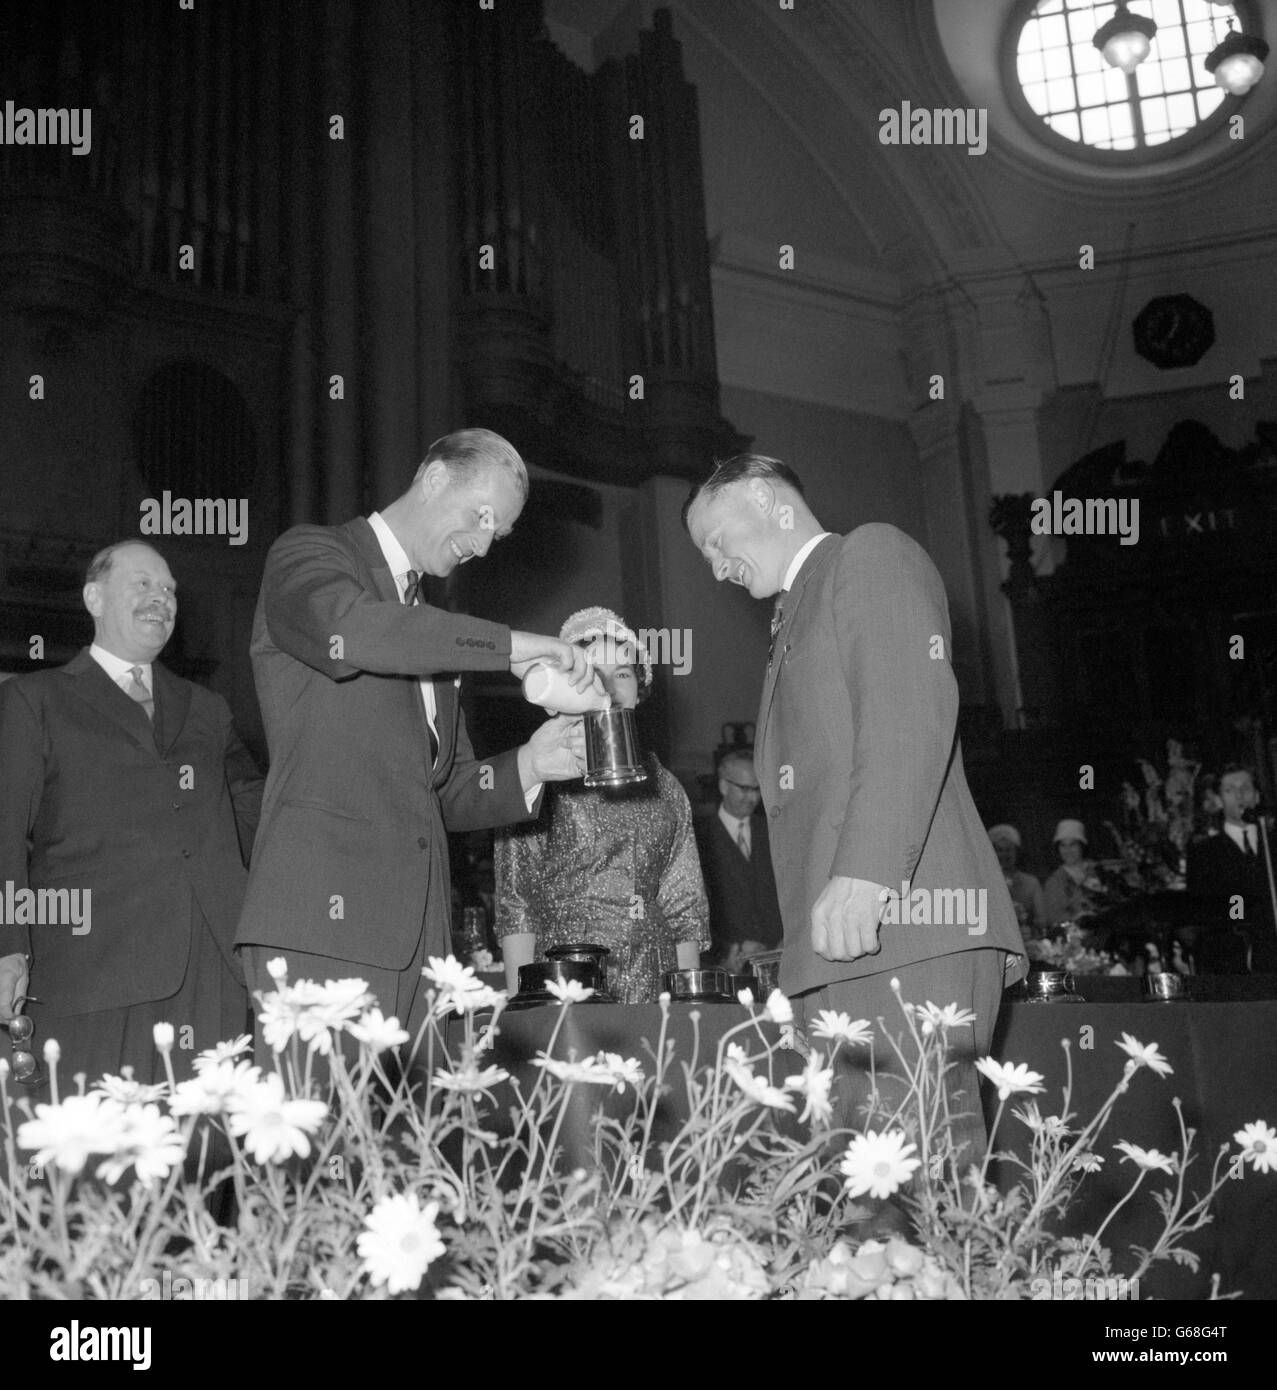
(209,1007)
(971,979)
(397,992)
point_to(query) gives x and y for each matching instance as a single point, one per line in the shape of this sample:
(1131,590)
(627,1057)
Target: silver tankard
(611,749)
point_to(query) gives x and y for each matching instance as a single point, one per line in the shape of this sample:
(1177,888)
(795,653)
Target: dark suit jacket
(1217,871)
(858,756)
(742,892)
(351,855)
(95,796)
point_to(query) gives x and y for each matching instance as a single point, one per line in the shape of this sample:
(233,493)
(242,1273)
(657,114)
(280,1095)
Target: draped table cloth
(1224,1057)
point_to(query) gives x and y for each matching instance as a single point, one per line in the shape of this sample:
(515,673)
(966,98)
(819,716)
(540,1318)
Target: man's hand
(14,979)
(555,753)
(529,647)
(844,920)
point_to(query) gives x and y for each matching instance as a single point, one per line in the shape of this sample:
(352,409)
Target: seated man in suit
(1229,876)
(128,810)
(736,860)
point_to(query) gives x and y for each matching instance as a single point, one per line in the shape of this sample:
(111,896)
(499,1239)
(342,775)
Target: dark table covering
(632,1030)
(1225,1061)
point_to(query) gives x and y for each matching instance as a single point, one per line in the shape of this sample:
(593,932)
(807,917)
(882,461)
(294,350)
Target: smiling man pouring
(370,764)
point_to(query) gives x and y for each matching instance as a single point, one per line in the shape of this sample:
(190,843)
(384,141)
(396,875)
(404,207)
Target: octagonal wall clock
(1173,330)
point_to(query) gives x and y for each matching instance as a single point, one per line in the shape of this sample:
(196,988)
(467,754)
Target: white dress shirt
(119,670)
(734,825)
(397,559)
(797,562)
(1245,837)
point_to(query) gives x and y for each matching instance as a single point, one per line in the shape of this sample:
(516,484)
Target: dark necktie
(778,618)
(742,840)
(412,596)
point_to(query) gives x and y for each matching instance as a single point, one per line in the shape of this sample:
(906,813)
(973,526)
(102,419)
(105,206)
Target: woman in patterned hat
(612,866)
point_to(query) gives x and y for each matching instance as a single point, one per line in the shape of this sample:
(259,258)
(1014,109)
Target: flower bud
(163,1035)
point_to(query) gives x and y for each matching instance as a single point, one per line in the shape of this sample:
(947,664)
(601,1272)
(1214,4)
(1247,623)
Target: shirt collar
(396,555)
(797,562)
(732,823)
(117,667)
(1237,834)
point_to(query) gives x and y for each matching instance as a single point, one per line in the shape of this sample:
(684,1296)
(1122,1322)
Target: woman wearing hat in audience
(615,867)
(1067,892)
(1025,890)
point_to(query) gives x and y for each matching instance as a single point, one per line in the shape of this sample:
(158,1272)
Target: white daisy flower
(400,1242)
(878,1164)
(1011,1078)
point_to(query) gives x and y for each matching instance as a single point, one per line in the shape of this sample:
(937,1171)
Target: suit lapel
(172,703)
(92,684)
(793,600)
(384,586)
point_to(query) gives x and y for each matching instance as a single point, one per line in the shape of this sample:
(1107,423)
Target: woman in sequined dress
(612,866)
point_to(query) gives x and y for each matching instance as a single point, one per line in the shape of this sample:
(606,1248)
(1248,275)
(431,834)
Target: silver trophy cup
(611,749)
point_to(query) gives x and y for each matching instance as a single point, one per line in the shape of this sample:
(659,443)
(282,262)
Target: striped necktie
(136,690)
(778,619)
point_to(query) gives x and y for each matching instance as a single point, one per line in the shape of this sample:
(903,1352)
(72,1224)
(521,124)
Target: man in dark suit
(882,864)
(744,916)
(370,764)
(1228,874)
(126,818)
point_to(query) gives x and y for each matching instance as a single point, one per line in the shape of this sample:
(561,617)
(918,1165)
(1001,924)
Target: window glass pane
(1153,111)
(1088,58)
(1165,12)
(1029,68)
(1090,90)
(1122,122)
(1035,95)
(1115,84)
(1059,95)
(1052,33)
(1095,126)
(1170,41)
(1208,100)
(1066,124)
(1148,77)
(1082,26)
(1057,63)
(1176,76)
(1182,113)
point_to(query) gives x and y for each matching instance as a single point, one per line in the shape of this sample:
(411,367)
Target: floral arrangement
(347,1184)
(1069,947)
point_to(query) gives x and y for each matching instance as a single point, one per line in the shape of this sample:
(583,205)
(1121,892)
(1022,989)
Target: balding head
(749,519)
